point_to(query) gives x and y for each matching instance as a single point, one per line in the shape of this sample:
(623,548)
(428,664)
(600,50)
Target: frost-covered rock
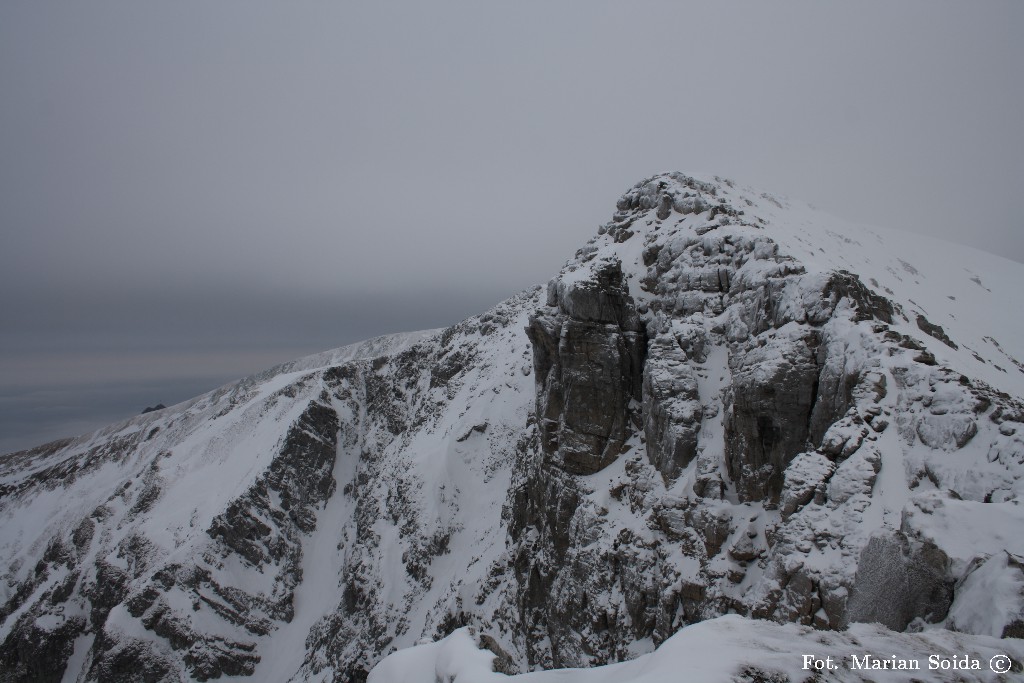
(671,407)
(806,477)
(897,583)
(990,597)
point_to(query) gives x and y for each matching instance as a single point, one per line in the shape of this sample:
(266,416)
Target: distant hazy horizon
(47,395)
(191,192)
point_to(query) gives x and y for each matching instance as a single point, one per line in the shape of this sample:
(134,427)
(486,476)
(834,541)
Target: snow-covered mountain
(725,404)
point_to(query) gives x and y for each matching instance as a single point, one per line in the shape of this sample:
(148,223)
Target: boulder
(899,581)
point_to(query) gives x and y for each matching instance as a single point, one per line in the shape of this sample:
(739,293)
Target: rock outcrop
(588,353)
(774,391)
(763,404)
(671,407)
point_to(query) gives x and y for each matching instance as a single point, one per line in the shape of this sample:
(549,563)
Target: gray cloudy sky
(192,191)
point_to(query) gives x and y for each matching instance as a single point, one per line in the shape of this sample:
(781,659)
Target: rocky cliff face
(722,404)
(767,395)
(588,356)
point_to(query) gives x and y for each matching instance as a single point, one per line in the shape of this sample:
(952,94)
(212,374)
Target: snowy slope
(972,294)
(176,541)
(725,403)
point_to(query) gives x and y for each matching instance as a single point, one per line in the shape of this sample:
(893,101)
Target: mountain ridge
(706,411)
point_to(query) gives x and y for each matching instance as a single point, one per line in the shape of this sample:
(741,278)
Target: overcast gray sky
(192,191)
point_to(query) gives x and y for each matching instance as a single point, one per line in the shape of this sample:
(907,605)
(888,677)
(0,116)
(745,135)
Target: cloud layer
(225,178)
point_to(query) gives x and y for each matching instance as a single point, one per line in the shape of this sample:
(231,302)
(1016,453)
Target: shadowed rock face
(37,654)
(588,354)
(775,388)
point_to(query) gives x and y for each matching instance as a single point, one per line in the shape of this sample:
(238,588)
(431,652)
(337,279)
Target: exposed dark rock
(109,589)
(83,534)
(934,330)
(834,389)
(899,581)
(129,661)
(301,475)
(218,657)
(1014,629)
(869,305)
(588,361)
(671,407)
(503,661)
(714,526)
(33,653)
(774,390)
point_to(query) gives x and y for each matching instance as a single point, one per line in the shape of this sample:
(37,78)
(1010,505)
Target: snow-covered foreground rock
(731,648)
(724,404)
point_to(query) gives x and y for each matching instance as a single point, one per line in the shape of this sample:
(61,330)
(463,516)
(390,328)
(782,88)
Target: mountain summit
(725,404)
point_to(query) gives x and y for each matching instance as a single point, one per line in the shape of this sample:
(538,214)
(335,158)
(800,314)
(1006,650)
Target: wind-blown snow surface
(730,649)
(305,522)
